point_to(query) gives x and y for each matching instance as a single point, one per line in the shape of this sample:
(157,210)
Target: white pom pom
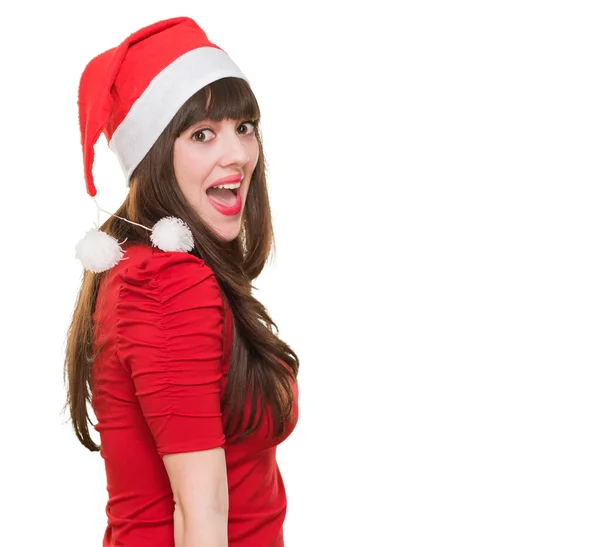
(172,234)
(98,251)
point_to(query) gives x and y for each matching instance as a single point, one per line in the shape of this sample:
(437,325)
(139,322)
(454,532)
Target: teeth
(233,186)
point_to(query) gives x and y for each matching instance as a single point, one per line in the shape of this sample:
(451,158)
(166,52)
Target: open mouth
(225,195)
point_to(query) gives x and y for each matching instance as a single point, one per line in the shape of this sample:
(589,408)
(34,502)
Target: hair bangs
(228,98)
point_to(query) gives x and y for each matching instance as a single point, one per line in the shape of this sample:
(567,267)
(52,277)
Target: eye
(203,135)
(247,128)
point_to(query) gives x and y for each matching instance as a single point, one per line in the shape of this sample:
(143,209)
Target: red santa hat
(131,93)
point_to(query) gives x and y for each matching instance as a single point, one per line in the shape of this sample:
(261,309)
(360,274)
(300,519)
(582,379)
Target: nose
(234,151)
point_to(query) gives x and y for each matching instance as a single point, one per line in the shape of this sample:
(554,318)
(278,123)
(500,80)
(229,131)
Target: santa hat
(131,93)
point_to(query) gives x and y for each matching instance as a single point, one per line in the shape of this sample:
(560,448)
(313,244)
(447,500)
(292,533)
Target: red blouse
(157,384)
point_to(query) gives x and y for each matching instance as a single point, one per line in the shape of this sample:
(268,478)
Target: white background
(434,175)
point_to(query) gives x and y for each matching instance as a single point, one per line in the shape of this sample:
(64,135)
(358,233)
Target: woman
(191,387)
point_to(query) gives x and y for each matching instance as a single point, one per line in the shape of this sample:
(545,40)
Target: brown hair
(261,364)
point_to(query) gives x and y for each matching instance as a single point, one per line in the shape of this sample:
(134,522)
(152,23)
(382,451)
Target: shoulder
(148,268)
(143,260)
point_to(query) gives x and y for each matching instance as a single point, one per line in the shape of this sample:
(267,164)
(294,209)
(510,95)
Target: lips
(228,201)
(231,179)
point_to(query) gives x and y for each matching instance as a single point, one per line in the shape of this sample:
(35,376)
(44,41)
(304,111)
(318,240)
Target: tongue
(222,195)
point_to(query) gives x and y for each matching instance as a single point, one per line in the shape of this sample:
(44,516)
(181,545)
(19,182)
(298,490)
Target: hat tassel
(99,251)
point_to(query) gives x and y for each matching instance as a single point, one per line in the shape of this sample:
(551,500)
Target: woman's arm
(170,327)
(199,485)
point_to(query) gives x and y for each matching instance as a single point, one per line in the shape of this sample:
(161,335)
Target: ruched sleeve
(170,339)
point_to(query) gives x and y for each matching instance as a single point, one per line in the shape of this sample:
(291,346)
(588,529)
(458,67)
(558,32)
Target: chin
(228,233)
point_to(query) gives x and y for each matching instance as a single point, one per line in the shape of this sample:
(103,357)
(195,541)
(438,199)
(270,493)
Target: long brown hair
(261,364)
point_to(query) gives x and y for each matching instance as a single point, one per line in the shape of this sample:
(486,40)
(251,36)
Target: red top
(157,385)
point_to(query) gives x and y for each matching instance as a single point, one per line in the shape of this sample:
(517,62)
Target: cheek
(191,171)
(253,155)
(253,152)
(181,165)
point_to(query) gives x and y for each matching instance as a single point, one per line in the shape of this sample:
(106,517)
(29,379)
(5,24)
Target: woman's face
(217,153)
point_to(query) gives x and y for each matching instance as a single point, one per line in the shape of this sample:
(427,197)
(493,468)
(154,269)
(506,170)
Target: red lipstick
(225,209)
(231,179)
